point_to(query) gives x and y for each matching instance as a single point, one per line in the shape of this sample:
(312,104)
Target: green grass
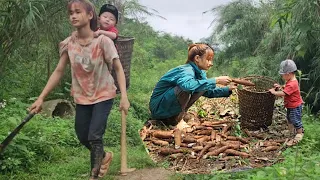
(75,164)
(301,162)
(55,153)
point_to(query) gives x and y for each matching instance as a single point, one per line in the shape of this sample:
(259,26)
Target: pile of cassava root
(214,142)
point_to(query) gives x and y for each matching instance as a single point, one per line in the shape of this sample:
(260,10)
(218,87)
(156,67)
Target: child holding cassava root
(292,99)
(91,59)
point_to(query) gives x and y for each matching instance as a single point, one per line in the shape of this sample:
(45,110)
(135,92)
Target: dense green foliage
(259,35)
(47,148)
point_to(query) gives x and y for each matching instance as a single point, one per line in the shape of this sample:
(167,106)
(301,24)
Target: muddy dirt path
(147,174)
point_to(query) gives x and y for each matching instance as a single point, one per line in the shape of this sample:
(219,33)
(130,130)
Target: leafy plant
(202,113)
(279,30)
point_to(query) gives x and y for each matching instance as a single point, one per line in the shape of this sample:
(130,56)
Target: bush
(37,141)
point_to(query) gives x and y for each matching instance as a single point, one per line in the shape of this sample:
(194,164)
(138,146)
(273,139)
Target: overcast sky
(184,17)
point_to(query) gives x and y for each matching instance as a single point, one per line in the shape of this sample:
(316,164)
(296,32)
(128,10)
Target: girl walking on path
(91,59)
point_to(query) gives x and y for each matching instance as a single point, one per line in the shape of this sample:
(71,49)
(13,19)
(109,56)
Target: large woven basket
(256,103)
(125,49)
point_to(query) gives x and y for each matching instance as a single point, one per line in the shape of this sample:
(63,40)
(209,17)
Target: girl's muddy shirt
(90,67)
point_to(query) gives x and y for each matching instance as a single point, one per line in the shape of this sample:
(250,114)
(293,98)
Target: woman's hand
(223,80)
(272,90)
(232,86)
(124,104)
(36,106)
(96,33)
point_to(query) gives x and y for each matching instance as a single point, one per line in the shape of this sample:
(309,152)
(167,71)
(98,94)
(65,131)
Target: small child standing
(292,98)
(108,19)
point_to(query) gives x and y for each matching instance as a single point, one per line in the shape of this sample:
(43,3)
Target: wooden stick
(123,148)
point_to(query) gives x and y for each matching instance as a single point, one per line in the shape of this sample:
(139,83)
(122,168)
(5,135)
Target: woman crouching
(180,87)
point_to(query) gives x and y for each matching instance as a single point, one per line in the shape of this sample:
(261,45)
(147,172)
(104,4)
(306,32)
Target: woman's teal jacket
(164,103)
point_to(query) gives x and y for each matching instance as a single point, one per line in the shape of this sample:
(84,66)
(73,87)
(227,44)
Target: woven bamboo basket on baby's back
(125,49)
(256,103)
